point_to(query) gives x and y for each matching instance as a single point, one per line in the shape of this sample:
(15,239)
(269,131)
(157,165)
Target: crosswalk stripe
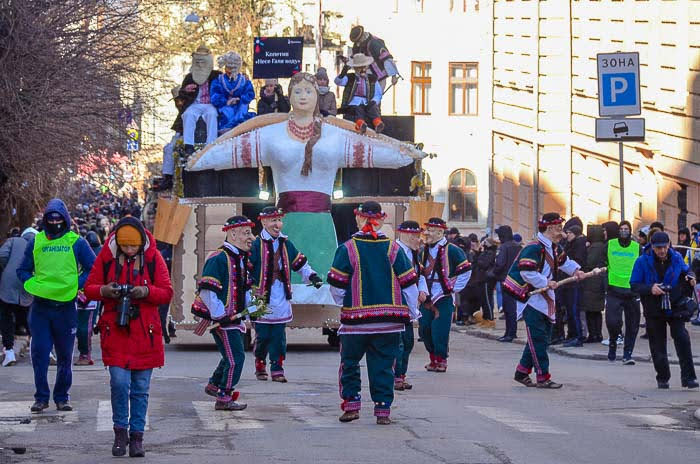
(12,413)
(224,420)
(658,420)
(516,420)
(311,416)
(104,416)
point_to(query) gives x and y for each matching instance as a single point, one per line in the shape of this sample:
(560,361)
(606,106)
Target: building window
(462,196)
(419,5)
(464,89)
(420,87)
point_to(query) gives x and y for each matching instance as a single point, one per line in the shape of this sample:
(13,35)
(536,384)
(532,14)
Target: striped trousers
(538,328)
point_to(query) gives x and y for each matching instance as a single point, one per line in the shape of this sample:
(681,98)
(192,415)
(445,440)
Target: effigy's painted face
(303,97)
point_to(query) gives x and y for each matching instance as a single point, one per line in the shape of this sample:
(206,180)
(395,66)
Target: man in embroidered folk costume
(535,268)
(374,281)
(221,297)
(447,271)
(232,92)
(273,258)
(371,45)
(196,98)
(362,94)
(409,241)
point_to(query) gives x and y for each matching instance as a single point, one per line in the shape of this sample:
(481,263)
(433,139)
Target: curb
(475,332)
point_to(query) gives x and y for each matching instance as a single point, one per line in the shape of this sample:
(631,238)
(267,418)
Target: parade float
(317,169)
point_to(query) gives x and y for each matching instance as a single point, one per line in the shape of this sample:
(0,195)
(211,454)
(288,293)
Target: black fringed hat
(370,209)
(236,222)
(436,222)
(356,33)
(550,219)
(270,212)
(409,227)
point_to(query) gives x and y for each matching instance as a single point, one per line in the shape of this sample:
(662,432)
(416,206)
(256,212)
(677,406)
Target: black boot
(121,440)
(136,445)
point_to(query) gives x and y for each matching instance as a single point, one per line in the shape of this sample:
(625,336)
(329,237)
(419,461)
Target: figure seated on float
(362,94)
(232,92)
(272,99)
(304,151)
(195,94)
(326,98)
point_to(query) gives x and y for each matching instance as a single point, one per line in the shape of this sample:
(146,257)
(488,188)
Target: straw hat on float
(360,60)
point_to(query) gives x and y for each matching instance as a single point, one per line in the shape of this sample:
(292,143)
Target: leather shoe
(349,416)
(39,406)
(573,343)
(505,339)
(662,385)
(61,406)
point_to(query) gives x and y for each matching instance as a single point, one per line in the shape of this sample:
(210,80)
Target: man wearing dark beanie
(621,254)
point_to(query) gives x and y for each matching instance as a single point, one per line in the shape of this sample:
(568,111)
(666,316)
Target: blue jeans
(52,325)
(129,390)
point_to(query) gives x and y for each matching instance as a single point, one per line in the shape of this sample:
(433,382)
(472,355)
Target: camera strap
(150,267)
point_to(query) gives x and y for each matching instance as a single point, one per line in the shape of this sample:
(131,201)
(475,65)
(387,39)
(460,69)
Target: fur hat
(409,227)
(270,212)
(370,209)
(202,50)
(436,222)
(231,59)
(360,60)
(236,222)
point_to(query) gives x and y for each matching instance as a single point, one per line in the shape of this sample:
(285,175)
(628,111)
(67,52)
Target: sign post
(618,96)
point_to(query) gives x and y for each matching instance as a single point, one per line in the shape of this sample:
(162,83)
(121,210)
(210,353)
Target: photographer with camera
(131,279)
(664,283)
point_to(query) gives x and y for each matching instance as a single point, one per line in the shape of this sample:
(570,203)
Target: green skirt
(313,234)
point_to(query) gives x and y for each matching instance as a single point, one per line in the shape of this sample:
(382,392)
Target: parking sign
(618,84)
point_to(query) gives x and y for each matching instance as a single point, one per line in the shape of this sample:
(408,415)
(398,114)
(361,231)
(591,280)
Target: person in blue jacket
(55,266)
(663,279)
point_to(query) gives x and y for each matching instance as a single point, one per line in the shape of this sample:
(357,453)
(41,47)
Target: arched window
(462,196)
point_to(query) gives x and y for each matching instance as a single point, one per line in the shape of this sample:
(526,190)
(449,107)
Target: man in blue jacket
(56,264)
(660,274)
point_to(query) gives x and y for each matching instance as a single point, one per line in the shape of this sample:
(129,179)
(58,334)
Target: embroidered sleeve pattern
(210,283)
(299,262)
(408,278)
(338,278)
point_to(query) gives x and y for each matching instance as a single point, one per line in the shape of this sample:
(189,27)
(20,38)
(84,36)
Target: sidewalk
(595,351)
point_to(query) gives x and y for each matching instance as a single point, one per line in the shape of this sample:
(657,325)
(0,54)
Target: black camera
(125,309)
(666,299)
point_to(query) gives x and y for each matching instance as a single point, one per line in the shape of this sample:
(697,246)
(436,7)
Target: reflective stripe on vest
(620,262)
(55,268)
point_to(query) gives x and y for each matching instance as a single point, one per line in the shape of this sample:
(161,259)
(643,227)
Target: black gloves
(315,280)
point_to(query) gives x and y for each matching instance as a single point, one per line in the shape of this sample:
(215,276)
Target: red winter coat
(140,345)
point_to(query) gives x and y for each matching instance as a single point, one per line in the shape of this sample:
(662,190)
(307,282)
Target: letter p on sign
(619,89)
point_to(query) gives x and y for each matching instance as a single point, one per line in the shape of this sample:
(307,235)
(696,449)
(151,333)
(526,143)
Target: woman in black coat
(593,288)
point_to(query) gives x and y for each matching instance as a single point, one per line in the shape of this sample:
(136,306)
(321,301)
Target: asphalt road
(474,413)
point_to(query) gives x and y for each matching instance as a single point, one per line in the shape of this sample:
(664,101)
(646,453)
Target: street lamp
(192,18)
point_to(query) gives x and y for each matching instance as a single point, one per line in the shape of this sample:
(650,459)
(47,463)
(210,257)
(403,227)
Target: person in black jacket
(272,98)
(507,253)
(575,249)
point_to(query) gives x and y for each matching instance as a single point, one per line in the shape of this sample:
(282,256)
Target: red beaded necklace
(300,132)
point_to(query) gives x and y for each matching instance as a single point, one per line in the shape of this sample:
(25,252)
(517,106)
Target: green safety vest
(620,262)
(55,268)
